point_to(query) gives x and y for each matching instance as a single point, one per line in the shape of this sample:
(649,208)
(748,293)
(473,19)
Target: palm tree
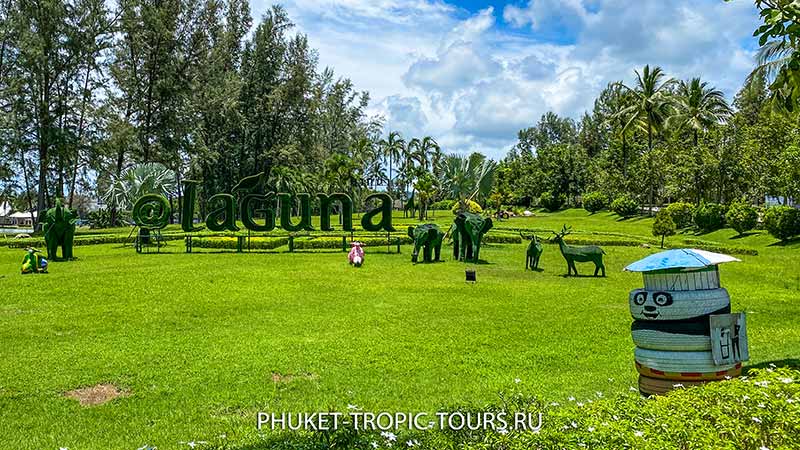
(425,152)
(699,107)
(391,147)
(467,178)
(148,178)
(616,103)
(651,106)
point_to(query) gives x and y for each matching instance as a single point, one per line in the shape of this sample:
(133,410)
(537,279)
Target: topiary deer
(533,254)
(590,253)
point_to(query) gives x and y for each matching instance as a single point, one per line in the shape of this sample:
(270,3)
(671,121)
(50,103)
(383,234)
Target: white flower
(633,389)
(571,398)
(412,443)
(763,447)
(580,404)
(745,397)
(638,433)
(764,383)
(565,427)
(598,394)
(610,380)
(790,400)
(786,380)
(517,380)
(63,448)
(728,377)
(374,444)
(591,429)
(756,420)
(223,436)
(761,405)
(574,425)
(615,417)
(554,404)
(389,436)
(504,431)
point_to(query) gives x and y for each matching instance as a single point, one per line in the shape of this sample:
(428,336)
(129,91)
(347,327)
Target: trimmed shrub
(472,207)
(682,214)
(625,206)
(443,204)
(552,202)
(742,217)
(709,216)
(663,225)
(595,201)
(782,222)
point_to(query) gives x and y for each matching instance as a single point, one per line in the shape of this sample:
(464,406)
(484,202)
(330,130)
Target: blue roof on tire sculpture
(684,258)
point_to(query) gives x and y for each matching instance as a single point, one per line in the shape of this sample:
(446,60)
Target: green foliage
(551,201)
(472,207)
(101,218)
(443,205)
(663,225)
(757,411)
(782,222)
(151,211)
(625,206)
(709,216)
(741,216)
(682,214)
(595,201)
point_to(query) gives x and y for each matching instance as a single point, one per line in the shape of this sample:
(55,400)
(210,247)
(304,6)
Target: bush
(682,214)
(595,201)
(472,207)
(663,225)
(625,206)
(742,217)
(709,216)
(552,202)
(754,410)
(102,218)
(782,222)
(443,204)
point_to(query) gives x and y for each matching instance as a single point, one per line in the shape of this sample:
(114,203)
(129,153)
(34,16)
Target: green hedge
(227,242)
(759,411)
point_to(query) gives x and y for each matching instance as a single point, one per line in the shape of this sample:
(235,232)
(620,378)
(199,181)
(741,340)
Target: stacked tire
(671,329)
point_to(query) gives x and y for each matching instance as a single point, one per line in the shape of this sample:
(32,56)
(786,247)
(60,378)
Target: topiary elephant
(59,230)
(467,231)
(429,237)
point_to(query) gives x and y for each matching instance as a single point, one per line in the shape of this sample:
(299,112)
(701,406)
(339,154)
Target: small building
(22,219)
(5,212)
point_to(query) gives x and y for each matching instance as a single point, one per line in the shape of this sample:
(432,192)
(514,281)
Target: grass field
(199,343)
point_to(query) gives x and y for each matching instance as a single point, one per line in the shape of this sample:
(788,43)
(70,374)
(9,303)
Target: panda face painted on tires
(677,305)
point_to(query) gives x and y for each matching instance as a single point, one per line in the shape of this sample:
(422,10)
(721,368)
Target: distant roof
(22,215)
(684,258)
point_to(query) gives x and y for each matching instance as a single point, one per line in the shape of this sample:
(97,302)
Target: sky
(473,73)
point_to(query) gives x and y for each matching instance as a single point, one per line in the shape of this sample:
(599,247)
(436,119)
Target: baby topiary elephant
(467,231)
(429,237)
(59,231)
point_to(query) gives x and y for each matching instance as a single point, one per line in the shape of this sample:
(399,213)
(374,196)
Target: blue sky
(472,73)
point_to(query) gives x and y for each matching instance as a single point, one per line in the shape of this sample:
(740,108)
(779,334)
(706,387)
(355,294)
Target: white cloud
(473,80)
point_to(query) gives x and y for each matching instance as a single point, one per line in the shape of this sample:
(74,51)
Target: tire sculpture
(654,386)
(672,330)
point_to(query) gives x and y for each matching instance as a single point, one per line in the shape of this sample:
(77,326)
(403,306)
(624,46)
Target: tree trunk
(650,165)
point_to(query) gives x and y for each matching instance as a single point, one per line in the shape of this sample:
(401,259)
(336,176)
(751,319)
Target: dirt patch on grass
(96,395)
(282,378)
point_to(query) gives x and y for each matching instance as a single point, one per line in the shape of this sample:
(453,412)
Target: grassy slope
(196,339)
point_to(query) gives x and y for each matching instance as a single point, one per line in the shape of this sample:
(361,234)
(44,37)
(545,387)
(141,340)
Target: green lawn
(202,342)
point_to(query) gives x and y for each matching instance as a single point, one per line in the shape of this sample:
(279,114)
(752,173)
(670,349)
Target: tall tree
(651,106)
